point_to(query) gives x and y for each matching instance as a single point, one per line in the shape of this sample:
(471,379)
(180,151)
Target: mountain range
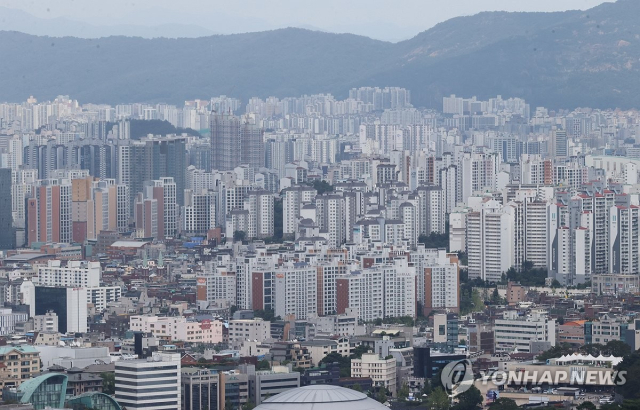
(558,60)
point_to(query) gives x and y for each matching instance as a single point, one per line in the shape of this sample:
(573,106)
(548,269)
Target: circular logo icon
(457,377)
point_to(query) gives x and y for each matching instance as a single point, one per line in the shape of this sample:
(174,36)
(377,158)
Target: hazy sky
(383,19)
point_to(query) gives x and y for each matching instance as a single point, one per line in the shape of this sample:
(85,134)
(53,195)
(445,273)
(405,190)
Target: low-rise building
(18,364)
(381,370)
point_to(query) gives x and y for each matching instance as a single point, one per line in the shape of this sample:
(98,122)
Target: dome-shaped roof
(316,397)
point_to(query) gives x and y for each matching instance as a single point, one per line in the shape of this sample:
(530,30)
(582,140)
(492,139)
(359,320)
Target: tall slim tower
(235,142)
(7,233)
(225,142)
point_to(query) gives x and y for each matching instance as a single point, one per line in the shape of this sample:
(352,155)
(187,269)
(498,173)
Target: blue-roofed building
(48,390)
(93,400)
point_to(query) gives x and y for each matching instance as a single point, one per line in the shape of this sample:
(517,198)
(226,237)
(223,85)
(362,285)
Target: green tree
(322,186)
(587,405)
(239,236)
(248,406)
(263,365)
(438,400)
(403,392)
(344,363)
(356,387)
(108,382)
(630,390)
(495,297)
(381,395)
(618,348)
(504,404)
(469,400)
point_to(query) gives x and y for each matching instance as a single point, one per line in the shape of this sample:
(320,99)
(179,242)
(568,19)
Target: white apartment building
(219,284)
(331,218)
(294,198)
(46,323)
(178,328)
(150,383)
(248,329)
(260,206)
(381,371)
(296,290)
(103,295)
(514,333)
(490,241)
(75,274)
(8,320)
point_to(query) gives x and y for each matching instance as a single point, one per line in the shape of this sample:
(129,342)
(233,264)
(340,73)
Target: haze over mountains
(559,60)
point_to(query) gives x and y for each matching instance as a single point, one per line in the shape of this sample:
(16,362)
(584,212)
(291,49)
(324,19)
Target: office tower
(7,232)
(559,144)
(260,204)
(199,389)
(70,304)
(490,241)
(161,370)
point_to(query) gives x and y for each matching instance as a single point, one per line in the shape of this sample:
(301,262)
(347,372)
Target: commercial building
(74,274)
(516,333)
(200,389)
(69,304)
(155,382)
(264,384)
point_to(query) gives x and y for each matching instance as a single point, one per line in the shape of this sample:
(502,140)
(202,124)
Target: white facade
(178,328)
(381,371)
(514,333)
(248,329)
(75,274)
(490,241)
(152,383)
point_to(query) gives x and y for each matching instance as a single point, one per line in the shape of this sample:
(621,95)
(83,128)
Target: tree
(248,406)
(356,387)
(556,284)
(263,365)
(438,400)
(381,395)
(108,382)
(322,186)
(403,392)
(239,236)
(618,348)
(495,297)
(469,400)
(504,404)
(630,390)
(587,405)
